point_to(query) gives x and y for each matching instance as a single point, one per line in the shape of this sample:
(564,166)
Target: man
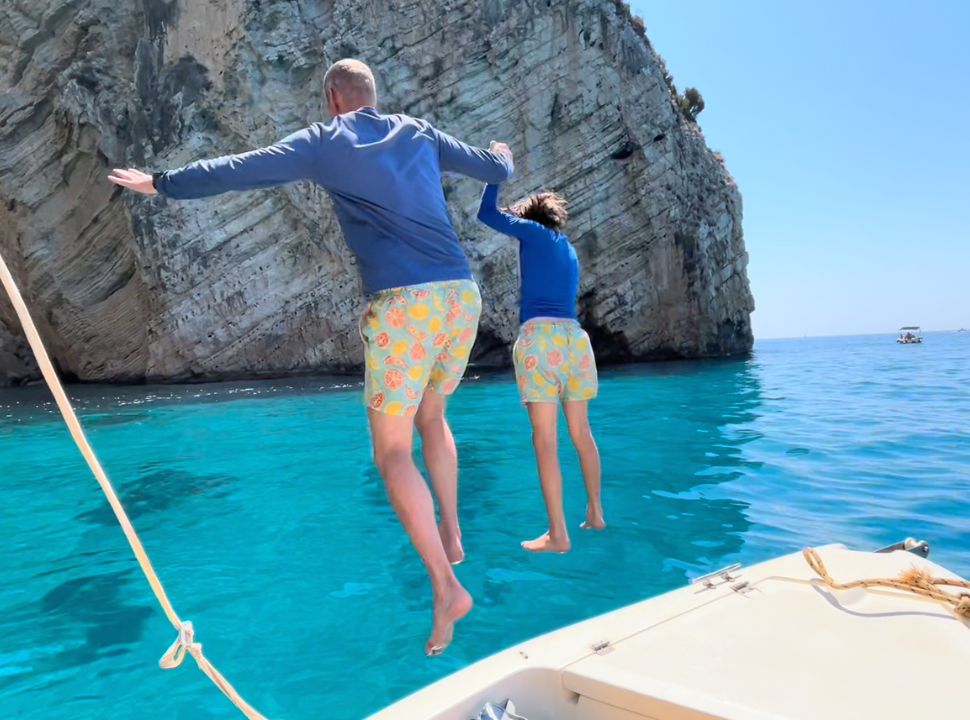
(383,173)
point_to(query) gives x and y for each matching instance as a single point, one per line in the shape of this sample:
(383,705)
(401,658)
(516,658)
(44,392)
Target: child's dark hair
(545,208)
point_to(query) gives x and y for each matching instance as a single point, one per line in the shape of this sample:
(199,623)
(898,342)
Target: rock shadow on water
(158,491)
(97,603)
(79,622)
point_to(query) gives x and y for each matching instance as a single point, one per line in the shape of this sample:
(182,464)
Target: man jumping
(383,173)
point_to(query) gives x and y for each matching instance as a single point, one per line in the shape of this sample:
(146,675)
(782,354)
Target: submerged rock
(126,288)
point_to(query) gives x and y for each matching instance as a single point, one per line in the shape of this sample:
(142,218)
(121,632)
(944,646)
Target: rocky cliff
(127,288)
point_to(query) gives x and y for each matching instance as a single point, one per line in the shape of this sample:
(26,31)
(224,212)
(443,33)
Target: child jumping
(553,357)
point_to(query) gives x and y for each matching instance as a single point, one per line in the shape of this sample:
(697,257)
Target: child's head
(545,208)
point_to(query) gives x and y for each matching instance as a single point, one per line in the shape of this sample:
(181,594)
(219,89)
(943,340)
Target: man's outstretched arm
(490,166)
(291,159)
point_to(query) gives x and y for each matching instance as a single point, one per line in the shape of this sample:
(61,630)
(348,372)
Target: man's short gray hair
(352,79)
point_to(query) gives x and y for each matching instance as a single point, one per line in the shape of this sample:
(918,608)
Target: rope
(913,580)
(186,639)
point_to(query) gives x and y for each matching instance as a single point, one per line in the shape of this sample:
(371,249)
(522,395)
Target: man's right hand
(133,180)
(500,148)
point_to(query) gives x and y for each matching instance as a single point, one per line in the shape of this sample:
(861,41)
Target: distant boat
(909,335)
(962,330)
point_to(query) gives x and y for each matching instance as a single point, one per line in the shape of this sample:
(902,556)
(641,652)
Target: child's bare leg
(589,459)
(544,416)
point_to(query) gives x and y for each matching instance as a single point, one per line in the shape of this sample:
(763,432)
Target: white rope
(186,640)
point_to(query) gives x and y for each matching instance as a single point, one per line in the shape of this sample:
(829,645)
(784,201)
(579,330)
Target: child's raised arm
(506,223)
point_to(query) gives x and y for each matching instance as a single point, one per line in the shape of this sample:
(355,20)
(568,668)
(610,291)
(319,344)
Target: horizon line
(859,334)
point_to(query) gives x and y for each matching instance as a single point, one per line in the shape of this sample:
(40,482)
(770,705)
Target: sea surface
(269,526)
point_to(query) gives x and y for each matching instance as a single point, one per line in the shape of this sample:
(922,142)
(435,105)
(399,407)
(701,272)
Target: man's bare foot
(451,540)
(546,543)
(449,608)
(594,518)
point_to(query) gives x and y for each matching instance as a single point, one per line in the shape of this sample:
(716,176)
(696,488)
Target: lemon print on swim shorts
(419,312)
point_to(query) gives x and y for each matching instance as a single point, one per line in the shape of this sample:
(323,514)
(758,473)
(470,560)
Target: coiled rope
(913,580)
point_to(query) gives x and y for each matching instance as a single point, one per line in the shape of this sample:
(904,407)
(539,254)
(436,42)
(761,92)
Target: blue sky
(847,127)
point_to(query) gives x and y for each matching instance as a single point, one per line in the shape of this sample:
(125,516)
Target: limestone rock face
(127,288)
(16,365)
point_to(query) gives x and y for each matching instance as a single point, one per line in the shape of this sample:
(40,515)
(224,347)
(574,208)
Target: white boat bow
(768,641)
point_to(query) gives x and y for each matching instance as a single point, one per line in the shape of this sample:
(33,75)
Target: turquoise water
(269,527)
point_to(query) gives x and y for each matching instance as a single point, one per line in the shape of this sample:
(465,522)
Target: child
(553,358)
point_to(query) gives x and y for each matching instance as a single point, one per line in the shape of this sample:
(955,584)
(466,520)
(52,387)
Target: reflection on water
(270,528)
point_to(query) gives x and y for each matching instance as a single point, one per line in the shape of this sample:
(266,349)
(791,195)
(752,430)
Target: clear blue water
(269,527)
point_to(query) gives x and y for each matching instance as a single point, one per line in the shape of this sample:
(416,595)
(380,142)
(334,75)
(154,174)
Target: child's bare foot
(594,520)
(451,540)
(546,543)
(449,607)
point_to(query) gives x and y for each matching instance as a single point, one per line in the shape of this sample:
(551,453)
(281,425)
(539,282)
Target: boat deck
(772,642)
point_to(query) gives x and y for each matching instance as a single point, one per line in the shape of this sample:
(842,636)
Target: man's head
(545,208)
(349,85)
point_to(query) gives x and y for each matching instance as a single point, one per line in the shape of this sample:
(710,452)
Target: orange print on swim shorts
(561,364)
(417,334)
(415,337)
(395,317)
(393,379)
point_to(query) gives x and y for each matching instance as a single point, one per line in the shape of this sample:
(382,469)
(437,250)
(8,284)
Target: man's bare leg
(441,459)
(577,419)
(544,416)
(409,495)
